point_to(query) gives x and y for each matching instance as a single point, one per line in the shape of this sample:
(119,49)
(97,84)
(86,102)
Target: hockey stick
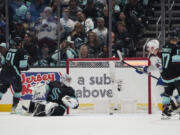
(123,62)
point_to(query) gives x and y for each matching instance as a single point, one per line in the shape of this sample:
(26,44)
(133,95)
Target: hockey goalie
(59,96)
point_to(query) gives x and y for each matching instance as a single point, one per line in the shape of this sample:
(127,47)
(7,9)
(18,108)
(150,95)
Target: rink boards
(91,85)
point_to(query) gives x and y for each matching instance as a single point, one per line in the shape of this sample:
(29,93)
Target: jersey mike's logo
(30,79)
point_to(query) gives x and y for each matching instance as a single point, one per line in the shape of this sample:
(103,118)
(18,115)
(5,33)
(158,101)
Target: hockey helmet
(154,43)
(3,48)
(66,79)
(3,45)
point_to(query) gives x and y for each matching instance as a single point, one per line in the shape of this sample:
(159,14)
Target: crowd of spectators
(80,32)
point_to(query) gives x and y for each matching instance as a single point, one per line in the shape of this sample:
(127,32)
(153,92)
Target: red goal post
(89,69)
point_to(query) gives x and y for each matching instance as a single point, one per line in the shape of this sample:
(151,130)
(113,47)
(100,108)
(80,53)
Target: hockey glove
(160,82)
(141,70)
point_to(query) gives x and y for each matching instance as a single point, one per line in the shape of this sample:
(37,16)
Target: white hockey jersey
(156,64)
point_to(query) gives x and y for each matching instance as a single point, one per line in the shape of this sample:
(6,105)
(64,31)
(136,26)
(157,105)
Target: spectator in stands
(18,30)
(36,7)
(65,2)
(13,6)
(93,45)
(101,31)
(45,60)
(123,39)
(86,22)
(78,35)
(122,3)
(115,7)
(99,8)
(54,6)
(64,52)
(2,35)
(83,53)
(46,30)
(66,22)
(104,53)
(2,8)
(106,18)
(30,46)
(148,5)
(73,8)
(90,10)
(2,21)
(2,27)
(135,14)
(82,3)
(123,19)
(20,12)
(29,23)
(101,1)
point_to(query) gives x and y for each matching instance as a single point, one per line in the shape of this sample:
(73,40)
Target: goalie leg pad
(39,110)
(50,108)
(53,109)
(31,107)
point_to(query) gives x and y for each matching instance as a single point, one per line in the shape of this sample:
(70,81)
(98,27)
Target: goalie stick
(123,62)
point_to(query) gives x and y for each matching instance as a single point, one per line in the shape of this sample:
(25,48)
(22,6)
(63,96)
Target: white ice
(89,124)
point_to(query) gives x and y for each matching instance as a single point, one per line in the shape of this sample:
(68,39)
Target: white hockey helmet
(66,79)
(3,45)
(154,43)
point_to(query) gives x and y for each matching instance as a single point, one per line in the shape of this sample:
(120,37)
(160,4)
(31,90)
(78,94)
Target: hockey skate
(176,111)
(166,113)
(15,104)
(13,109)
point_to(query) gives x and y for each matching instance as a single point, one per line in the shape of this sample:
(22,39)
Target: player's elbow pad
(71,102)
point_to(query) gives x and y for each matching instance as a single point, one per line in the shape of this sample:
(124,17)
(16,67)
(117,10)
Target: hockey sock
(15,101)
(1,94)
(173,105)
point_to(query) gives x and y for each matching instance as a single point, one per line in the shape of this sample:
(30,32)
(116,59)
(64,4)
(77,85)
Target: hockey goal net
(103,84)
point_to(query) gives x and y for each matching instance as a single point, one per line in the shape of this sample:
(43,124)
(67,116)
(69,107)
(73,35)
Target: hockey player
(154,57)
(170,74)
(153,49)
(156,65)
(59,96)
(13,62)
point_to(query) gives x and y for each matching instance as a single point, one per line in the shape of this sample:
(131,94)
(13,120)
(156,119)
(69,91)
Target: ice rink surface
(89,124)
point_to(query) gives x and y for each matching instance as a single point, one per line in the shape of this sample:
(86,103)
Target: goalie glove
(71,102)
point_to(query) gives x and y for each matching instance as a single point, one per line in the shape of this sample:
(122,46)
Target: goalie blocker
(59,96)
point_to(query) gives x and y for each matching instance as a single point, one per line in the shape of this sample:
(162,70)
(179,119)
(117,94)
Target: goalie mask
(66,79)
